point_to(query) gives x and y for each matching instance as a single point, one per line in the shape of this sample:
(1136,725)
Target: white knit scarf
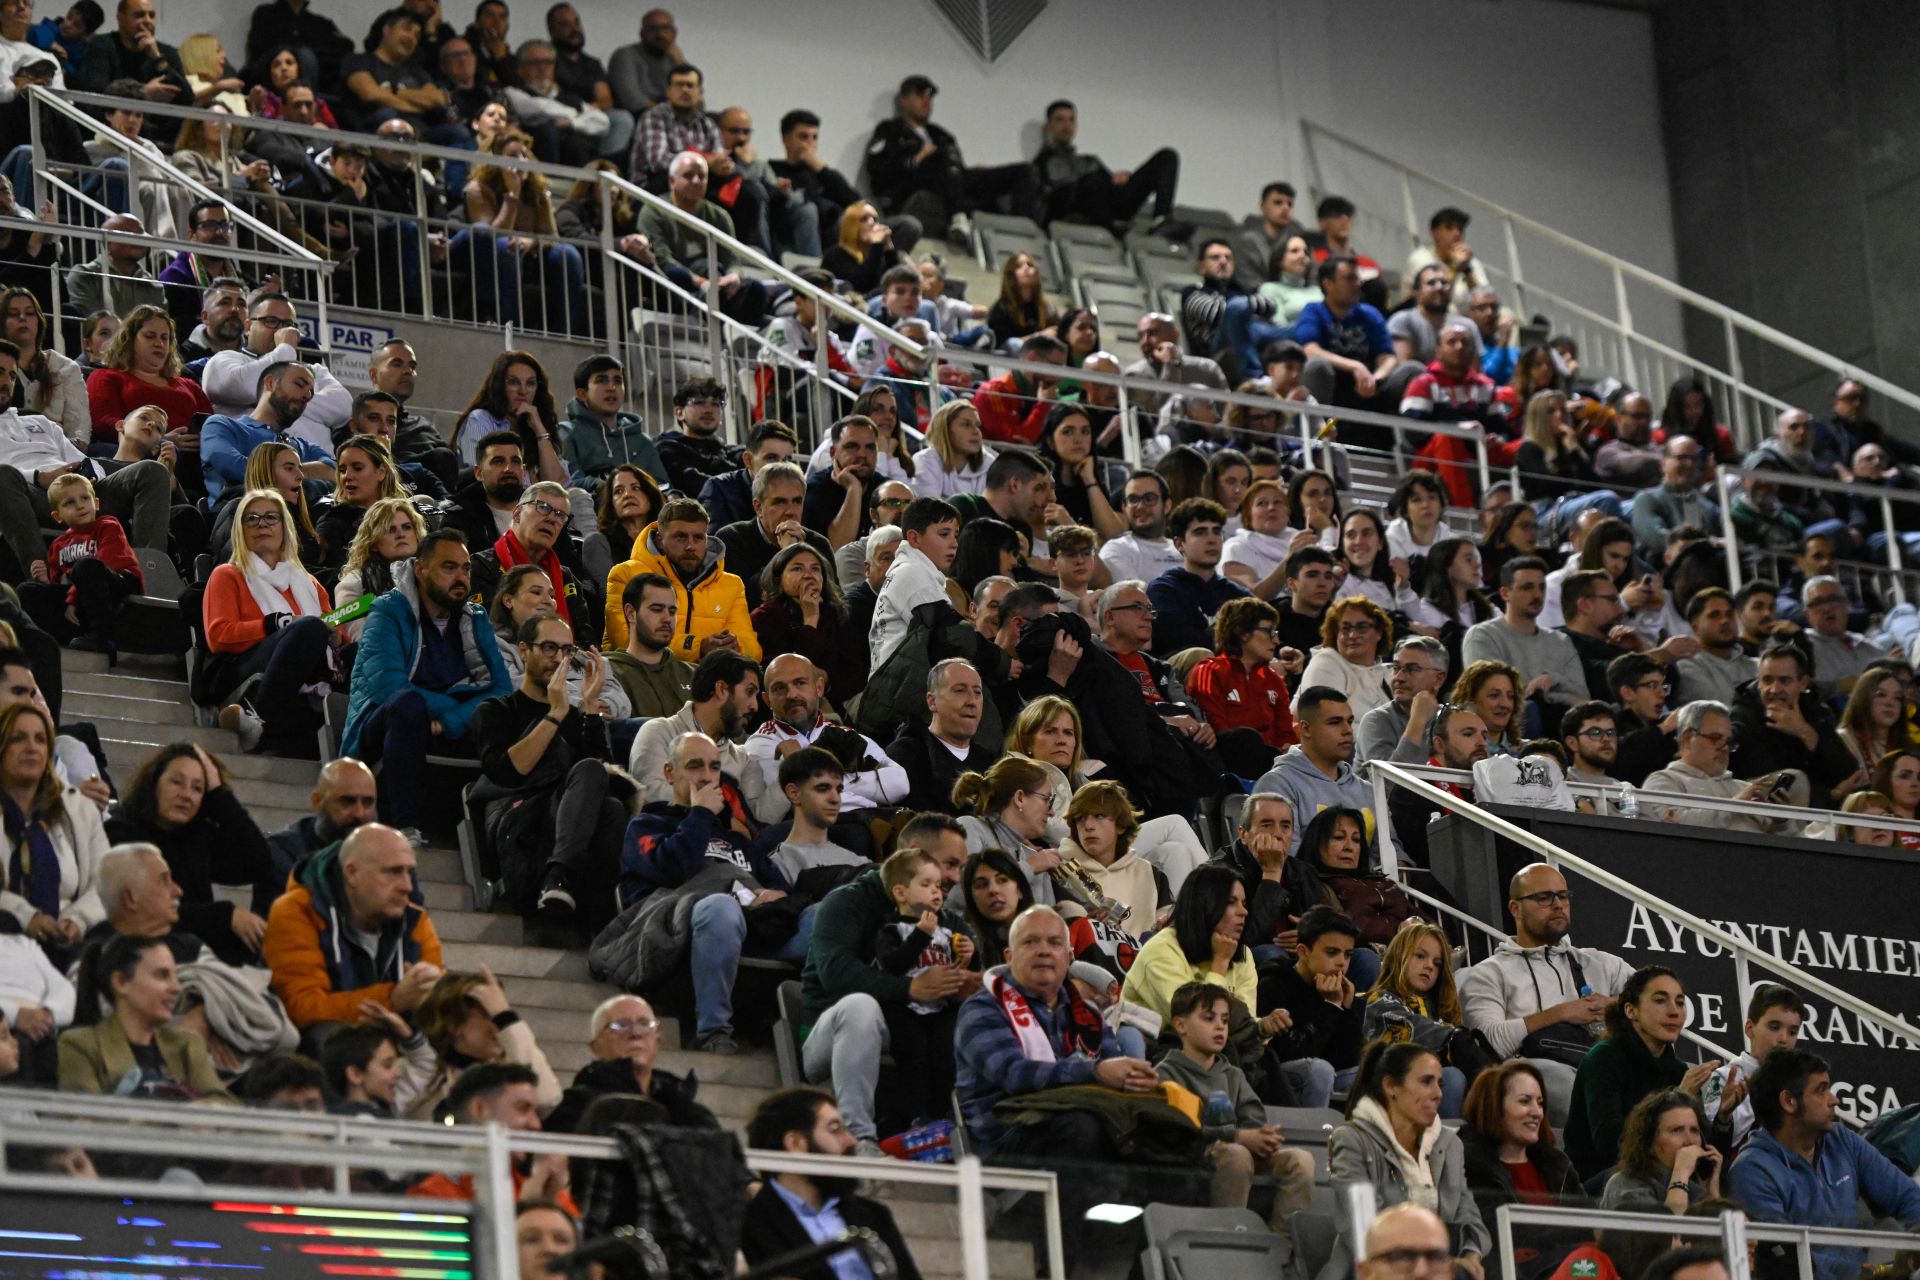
(272,587)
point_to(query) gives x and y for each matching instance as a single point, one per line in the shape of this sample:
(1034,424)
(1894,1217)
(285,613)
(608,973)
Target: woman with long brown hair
(508,208)
(142,367)
(51,836)
(1022,306)
(516,396)
(52,385)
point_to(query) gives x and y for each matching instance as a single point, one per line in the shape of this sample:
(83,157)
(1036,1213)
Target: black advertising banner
(1843,913)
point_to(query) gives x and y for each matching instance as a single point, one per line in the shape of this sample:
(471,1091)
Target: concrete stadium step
(439,865)
(133,686)
(140,737)
(87,704)
(156,665)
(447,895)
(483,926)
(512,960)
(575,997)
(940,1256)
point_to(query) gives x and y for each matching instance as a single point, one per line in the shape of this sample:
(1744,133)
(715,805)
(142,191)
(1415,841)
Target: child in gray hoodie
(1243,1142)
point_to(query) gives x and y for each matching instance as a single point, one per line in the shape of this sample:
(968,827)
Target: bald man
(1406,1240)
(689,876)
(344,797)
(352,929)
(625,1039)
(794,690)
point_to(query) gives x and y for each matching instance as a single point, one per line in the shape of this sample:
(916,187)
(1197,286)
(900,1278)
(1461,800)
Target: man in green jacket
(845,990)
(600,435)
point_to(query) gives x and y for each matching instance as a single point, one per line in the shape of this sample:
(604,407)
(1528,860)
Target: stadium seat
(786,1033)
(1185,1243)
(999,244)
(478,864)
(1314,1238)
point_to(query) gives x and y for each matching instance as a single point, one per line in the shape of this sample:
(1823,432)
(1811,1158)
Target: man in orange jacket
(351,930)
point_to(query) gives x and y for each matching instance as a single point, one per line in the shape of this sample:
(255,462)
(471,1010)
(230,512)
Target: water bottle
(1629,801)
(1219,1110)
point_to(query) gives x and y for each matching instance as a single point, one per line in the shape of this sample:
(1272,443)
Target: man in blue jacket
(1801,1168)
(1186,599)
(427,660)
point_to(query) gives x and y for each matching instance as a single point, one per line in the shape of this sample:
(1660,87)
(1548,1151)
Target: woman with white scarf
(1395,1141)
(265,625)
(1256,557)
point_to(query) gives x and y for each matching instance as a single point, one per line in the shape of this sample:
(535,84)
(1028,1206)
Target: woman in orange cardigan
(263,617)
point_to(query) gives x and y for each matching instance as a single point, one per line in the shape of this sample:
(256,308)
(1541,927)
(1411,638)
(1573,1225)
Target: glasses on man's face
(547,508)
(1824,601)
(1548,897)
(1141,499)
(640,1026)
(262,520)
(703,402)
(551,649)
(1407,1261)
(1654,684)
(891,502)
(1599,735)
(1715,740)
(1412,669)
(1140,608)
(216,224)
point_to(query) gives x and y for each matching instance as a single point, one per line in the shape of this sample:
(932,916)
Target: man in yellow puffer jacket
(712,602)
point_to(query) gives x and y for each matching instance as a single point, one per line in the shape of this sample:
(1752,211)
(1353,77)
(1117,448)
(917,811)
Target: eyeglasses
(549,649)
(1714,739)
(1548,897)
(621,1026)
(1046,796)
(1651,684)
(1358,628)
(1141,499)
(891,502)
(1141,608)
(694,402)
(1824,601)
(1416,1259)
(215,224)
(1598,735)
(1412,669)
(261,520)
(546,508)
(1266,629)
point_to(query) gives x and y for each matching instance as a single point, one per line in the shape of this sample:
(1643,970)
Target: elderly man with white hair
(1706,737)
(625,1041)
(539,98)
(537,535)
(1840,656)
(678,245)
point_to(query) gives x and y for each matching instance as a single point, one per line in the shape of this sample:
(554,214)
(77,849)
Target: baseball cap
(918,84)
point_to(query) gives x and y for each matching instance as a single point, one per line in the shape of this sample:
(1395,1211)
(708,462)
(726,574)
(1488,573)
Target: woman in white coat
(51,836)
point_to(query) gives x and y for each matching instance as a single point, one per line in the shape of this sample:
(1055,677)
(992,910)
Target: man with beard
(226,440)
(232,378)
(511,1096)
(1538,982)
(1716,673)
(694,453)
(794,1210)
(395,369)
(655,680)
(1457,739)
(724,691)
(1588,733)
(223,323)
(344,797)
(580,73)
(713,602)
(795,689)
(482,509)
(537,748)
(427,660)
(537,536)
(836,501)
(1780,723)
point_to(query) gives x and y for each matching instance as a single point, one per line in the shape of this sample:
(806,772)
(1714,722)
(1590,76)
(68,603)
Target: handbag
(1559,1042)
(772,923)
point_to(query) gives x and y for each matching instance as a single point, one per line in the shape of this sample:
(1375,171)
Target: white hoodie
(1501,992)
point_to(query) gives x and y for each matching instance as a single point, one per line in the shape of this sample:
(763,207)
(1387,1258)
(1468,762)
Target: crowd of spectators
(939,727)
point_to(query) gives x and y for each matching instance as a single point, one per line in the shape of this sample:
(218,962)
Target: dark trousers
(588,824)
(397,735)
(1097,199)
(922,1047)
(293,656)
(955,190)
(98,592)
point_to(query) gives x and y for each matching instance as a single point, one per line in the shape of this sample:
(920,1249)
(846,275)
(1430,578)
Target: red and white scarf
(1082,1030)
(511,553)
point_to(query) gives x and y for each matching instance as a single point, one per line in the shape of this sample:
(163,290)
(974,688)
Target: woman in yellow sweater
(1203,944)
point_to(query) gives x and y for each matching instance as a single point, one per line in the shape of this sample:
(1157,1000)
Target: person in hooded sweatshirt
(1538,996)
(1318,773)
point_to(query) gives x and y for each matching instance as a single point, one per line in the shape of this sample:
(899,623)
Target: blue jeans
(1363,970)
(496,267)
(399,732)
(1246,333)
(719,932)
(1311,1080)
(1559,515)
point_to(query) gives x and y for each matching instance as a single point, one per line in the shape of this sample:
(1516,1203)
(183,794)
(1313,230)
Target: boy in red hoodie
(76,591)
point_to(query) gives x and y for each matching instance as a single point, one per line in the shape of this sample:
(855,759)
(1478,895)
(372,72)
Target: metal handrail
(1623,270)
(1896,554)
(1733,1229)
(1383,773)
(347,1142)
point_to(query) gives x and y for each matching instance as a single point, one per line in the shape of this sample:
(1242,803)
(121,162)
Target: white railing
(1896,554)
(1732,1230)
(1597,273)
(1744,954)
(343,1144)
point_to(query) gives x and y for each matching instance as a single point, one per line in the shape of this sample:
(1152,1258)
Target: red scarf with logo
(511,553)
(1081,1033)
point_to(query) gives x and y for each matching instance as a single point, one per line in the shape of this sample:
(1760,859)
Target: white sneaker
(960,231)
(239,720)
(415,837)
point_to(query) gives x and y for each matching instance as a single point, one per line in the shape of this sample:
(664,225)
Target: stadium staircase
(142,704)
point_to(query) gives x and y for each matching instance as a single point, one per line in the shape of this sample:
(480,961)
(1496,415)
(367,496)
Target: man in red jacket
(1014,406)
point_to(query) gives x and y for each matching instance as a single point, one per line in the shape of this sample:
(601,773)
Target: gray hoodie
(1300,780)
(1501,992)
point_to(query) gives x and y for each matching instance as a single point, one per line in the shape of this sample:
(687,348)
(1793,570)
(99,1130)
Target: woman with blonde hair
(275,465)
(866,248)
(211,76)
(1048,732)
(364,473)
(1356,636)
(1492,689)
(265,623)
(1021,309)
(467,1020)
(1555,468)
(388,534)
(508,207)
(142,366)
(956,456)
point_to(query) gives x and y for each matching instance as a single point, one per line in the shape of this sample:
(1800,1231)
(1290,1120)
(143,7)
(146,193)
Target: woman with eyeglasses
(1240,687)
(525,592)
(265,627)
(1010,807)
(1355,638)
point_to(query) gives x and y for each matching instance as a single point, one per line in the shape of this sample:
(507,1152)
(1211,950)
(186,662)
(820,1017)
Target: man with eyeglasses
(1162,360)
(624,1037)
(1593,613)
(1144,551)
(538,535)
(539,748)
(1780,723)
(1538,996)
(693,452)
(1397,730)
(1592,740)
(1645,727)
(1706,745)
(232,379)
(1679,499)
(190,271)
(638,72)
(1840,656)
(1406,1240)
(579,127)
